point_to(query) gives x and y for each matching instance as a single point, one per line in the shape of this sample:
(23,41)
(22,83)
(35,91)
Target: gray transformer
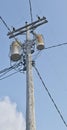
(15,51)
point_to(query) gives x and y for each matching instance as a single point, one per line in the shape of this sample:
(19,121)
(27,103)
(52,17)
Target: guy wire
(51,97)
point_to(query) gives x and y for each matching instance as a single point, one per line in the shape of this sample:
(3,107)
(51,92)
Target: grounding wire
(31,15)
(51,97)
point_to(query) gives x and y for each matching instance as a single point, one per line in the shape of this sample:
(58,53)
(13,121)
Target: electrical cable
(5,24)
(5,71)
(31,15)
(2,71)
(9,75)
(58,45)
(8,28)
(12,67)
(51,97)
(50,47)
(19,67)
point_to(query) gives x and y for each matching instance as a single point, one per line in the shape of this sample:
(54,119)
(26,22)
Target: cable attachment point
(33,63)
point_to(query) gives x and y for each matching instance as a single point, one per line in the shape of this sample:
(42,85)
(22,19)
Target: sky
(51,63)
(10,118)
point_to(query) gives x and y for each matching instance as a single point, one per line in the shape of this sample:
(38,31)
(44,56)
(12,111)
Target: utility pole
(27,63)
(30,109)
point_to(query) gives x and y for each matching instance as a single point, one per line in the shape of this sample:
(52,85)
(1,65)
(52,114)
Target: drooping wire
(31,15)
(51,97)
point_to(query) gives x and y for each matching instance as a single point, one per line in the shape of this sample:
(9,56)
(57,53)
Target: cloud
(10,118)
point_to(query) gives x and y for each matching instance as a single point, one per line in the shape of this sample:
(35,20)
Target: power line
(51,97)
(50,47)
(58,45)
(9,75)
(5,24)
(31,15)
(8,28)
(5,73)
(7,70)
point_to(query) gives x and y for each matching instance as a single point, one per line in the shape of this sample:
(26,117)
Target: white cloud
(10,118)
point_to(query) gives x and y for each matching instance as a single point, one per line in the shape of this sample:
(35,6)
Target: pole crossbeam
(31,26)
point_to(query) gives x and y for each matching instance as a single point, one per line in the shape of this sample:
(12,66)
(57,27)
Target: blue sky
(52,63)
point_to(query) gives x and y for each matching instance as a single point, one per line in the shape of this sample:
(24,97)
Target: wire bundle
(4,73)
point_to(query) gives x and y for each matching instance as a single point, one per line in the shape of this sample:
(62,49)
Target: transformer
(15,51)
(39,42)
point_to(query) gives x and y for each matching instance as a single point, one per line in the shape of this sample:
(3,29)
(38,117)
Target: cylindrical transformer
(15,51)
(40,42)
